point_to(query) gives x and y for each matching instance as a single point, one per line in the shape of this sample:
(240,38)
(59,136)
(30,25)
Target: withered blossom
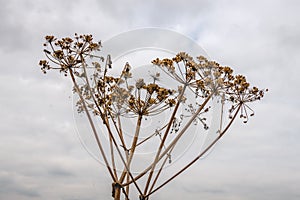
(113,99)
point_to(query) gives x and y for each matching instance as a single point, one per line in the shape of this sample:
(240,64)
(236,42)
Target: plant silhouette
(115,98)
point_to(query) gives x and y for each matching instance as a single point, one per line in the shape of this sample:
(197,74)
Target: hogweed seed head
(112,97)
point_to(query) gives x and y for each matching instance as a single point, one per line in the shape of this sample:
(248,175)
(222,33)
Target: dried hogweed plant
(114,98)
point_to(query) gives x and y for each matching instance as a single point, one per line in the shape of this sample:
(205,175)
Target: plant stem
(174,141)
(164,138)
(199,156)
(117,193)
(92,125)
(112,157)
(160,170)
(133,146)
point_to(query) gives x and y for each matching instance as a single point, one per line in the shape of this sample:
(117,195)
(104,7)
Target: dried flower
(115,98)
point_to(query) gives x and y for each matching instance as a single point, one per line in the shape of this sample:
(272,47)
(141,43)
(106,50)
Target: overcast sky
(40,154)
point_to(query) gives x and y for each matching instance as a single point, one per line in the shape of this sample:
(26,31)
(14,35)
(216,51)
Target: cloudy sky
(40,154)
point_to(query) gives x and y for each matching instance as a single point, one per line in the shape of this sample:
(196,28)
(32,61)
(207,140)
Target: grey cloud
(12,30)
(60,172)
(9,186)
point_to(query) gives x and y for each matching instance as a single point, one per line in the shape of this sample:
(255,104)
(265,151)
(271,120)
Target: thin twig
(164,138)
(199,156)
(92,125)
(175,140)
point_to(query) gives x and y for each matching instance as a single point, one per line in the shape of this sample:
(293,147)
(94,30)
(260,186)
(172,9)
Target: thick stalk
(133,146)
(127,187)
(123,161)
(117,193)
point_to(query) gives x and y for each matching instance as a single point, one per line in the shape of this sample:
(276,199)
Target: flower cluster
(206,78)
(68,53)
(239,93)
(199,75)
(140,98)
(105,94)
